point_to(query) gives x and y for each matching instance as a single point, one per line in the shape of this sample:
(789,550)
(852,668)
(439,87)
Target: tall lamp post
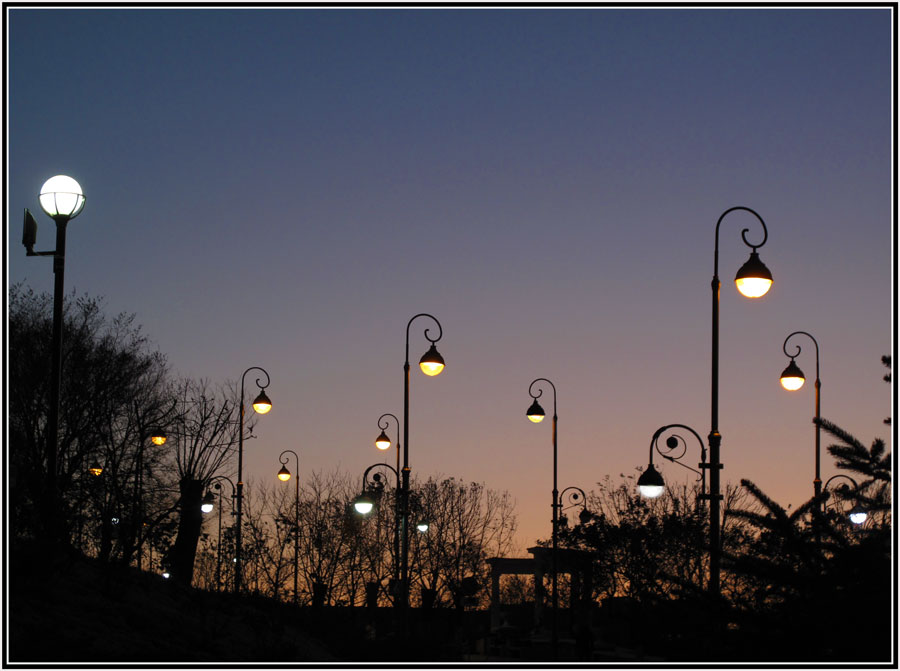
(792,379)
(431,363)
(536,414)
(284,475)
(365,504)
(206,507)
(261,405)
(62,199)
(753,280)
(384,443)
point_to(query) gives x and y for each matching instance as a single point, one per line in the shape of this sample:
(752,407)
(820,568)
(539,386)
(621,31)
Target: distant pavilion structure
(577,563)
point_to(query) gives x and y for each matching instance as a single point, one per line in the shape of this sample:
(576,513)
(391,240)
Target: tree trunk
(190,522)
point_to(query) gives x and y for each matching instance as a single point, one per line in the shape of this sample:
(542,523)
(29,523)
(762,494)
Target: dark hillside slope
(72,609)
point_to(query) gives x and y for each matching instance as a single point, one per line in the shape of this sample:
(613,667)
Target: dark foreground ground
(65,608)
(69,608)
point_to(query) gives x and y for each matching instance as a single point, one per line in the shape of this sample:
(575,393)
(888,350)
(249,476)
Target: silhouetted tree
(111,383)
(467,524)
(202,441)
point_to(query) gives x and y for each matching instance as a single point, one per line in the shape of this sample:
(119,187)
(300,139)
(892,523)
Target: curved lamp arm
(541,391)
(743,234)
(797,353)
(427,331)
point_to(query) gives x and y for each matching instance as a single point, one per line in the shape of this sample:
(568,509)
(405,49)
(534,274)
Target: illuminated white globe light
(858,516)
(206,507)
(363,507)
(165,575)
(422,526)
(61,196)
(651,491)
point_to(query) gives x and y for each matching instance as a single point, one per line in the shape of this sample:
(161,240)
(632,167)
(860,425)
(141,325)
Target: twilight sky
(286,188)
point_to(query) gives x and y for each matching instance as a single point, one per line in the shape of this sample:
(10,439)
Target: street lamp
(753,280)
(792,379)
(62,199)
(384,443)
(536,414)
(261,405)
(651,483)
(858,515)
(206,507)
(284,475)
(571,497)
(431,363)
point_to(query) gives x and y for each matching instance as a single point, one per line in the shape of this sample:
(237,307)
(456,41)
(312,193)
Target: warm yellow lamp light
(535,412)
(382,442)
(158,437)
(753,279)
(792,377)
(96,470)
(284,474)
(431,363)
(262,404)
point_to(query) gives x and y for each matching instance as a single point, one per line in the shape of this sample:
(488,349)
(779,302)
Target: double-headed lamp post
(753,280)
(62,199)
(536,414)
(792,379)
(284,475)
(261,405)
(431,363)
(858,514)
(384,443)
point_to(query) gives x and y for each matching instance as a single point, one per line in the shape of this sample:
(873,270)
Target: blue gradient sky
(287,187)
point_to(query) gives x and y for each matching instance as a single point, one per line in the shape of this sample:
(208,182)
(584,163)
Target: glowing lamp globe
(96,470)
(284,474)
(535,412)
(207,504)
(431,363)
(382,442)
(753,279)
(363,504)
(422,526)
(262,404)
(792,377)
(858,515)
(158,437)
(651,484)
(61,197)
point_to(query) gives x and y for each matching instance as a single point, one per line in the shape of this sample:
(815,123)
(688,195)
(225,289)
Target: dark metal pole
(553,556)
(238,574)
(52,506)
(238,568)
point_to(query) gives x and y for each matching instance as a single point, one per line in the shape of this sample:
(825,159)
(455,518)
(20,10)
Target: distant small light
(858,515)
(166,575)
(115,520)
(422,526)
